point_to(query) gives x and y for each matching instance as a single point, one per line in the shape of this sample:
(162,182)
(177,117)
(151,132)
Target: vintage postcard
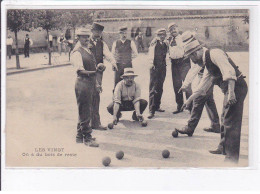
(116,88)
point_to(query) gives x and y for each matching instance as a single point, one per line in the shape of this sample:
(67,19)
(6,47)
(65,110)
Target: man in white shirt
(222,71)
(124,50)
(85,65)
(9,43)
(61,44)
(180,66)
(193,79)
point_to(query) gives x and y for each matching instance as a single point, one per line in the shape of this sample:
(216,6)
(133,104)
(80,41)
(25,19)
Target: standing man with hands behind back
(124,50)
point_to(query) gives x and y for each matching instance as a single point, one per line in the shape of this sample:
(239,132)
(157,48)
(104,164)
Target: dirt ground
(42,113)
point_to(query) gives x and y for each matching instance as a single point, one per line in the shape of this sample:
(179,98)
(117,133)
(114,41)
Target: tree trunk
(17,51)
(74,34)
(49,49)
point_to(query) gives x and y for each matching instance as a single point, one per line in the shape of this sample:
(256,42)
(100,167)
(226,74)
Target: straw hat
(161,31)
(83,32)
(191,47)
(128,72)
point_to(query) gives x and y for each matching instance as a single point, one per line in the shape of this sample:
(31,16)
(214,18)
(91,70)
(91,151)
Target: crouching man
(127,98)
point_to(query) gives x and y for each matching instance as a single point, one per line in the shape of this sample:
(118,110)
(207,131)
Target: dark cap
(122,29)
(97,26)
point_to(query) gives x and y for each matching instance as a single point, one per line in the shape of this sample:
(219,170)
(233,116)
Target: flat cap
(83,31)
(122,29)
(172,24)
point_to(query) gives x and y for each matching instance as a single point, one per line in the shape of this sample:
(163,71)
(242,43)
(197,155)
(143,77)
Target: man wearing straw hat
(222,71)
(85,63)
(193,78)
(157,54)
(180,66)
(127,97)
(124,50)
(100,50)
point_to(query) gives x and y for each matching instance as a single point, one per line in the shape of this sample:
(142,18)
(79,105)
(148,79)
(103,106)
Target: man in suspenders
(193,78)
(100,50)
(221,70)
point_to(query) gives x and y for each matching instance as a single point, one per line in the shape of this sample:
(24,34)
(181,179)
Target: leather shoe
(151,115)
(211,130)
(90,142)
(185,130)
(177,111)
(100,127)
(79,137)
(217,151)
(160,110)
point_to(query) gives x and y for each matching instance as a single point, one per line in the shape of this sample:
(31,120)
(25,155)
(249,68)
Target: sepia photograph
(135,88)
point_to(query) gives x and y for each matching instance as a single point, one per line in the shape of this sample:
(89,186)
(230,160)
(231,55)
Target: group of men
(27,43)
(190,63)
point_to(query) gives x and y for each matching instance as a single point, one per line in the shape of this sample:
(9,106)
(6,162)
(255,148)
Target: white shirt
(50,37)
(76,58)
(220,59)
(176,51)
(9,41)
(191,75)
(133,47)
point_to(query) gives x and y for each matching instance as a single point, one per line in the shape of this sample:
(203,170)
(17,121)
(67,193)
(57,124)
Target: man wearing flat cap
(127,97)
(101,51)
(222,71)
(157,59)
(85,64)
(124,50)
(180,66)
(193,78)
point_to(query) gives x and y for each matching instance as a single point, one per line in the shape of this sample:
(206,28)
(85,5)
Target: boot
(186,130)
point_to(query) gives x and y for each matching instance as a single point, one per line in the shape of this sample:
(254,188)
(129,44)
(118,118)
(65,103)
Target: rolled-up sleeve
(151,52)
(108,55)
(193,71)
(137,96)
(205,83)
(118,93)
(76,61)
(219,58)
(134,49)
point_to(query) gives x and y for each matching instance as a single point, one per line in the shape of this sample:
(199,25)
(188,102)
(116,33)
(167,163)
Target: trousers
(95,121)
(26,51)
(231,121)
(120,71)
(180,68)
(197,109)
(84,88)
(127,106)
(157,77)
(9,51)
